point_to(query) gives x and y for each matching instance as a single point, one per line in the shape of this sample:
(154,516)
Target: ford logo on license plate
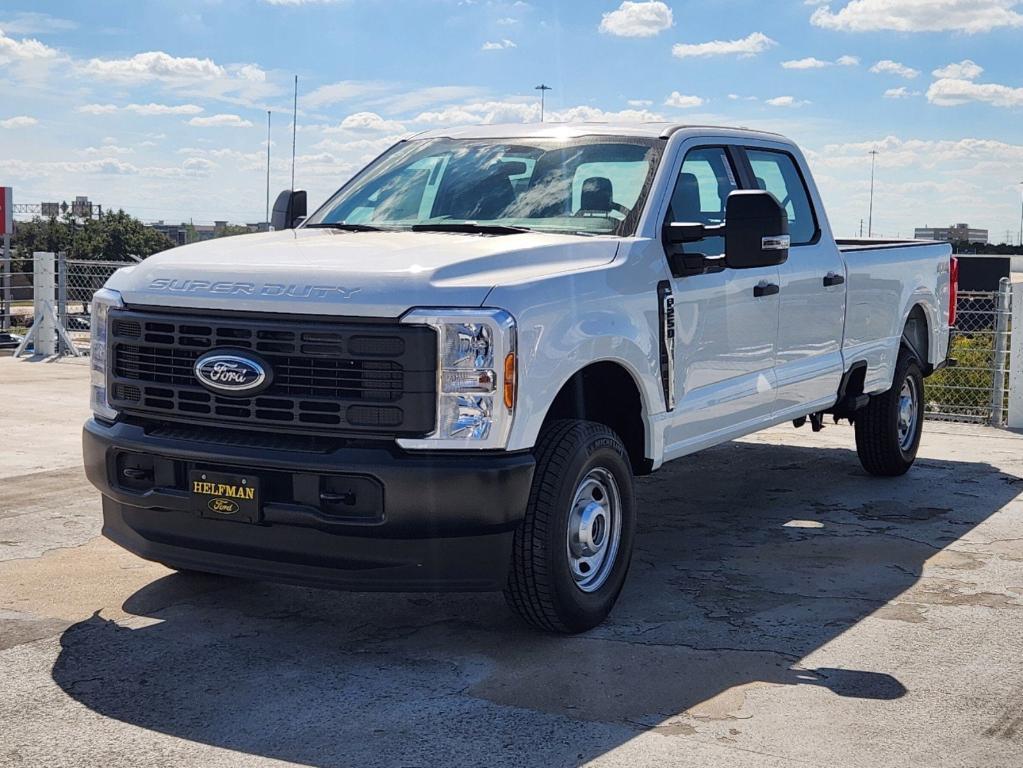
(232,373)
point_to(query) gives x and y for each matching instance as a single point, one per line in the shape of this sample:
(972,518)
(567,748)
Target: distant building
(959,233)
(182,234)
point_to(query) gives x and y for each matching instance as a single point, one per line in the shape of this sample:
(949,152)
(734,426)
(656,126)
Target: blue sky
(160,107)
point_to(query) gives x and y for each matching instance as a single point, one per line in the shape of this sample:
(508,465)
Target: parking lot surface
(783,608)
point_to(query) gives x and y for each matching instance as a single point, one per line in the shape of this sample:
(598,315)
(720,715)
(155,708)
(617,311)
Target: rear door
(808,361)
(725,330)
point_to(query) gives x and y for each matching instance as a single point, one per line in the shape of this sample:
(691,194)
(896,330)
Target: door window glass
(701,193)
(777,173)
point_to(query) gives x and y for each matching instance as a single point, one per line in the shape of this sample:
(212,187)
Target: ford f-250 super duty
(447,377)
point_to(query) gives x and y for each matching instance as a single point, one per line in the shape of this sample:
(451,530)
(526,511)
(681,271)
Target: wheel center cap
(592,529)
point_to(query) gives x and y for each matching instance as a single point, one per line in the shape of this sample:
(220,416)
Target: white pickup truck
(447,377)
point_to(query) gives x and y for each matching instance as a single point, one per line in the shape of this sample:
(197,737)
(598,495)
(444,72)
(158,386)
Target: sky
(159,107)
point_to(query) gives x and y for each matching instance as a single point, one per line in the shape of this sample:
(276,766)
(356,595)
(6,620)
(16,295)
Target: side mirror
(289,209)
(756,230)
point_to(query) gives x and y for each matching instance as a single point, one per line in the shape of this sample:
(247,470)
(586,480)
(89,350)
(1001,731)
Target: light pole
(1021,214)
(870,215)
(543,90)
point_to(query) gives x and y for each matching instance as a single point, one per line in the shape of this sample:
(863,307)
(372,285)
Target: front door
(726,323)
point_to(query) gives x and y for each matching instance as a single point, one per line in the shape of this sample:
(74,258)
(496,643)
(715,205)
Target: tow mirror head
(756,230)
(679,233)
(289,209)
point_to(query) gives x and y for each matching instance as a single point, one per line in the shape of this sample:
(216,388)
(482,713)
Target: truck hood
(331,272)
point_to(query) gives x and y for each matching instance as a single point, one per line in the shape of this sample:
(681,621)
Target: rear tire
(571,553)
(888,428)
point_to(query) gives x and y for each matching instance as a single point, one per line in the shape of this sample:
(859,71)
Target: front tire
(888,428)
(572,551)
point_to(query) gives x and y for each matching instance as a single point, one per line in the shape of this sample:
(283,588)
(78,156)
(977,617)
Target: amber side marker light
(509,380)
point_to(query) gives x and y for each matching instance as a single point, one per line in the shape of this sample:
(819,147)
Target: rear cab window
(778,173)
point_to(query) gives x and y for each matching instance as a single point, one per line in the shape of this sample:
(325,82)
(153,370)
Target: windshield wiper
(469,227)
(345,226)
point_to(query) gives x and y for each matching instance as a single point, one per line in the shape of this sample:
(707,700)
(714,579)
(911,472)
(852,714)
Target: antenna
(294,130)
(870,217)
(268,170)
(543,90)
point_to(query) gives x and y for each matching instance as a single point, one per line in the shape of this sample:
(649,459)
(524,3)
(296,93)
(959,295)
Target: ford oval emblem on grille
(232,373)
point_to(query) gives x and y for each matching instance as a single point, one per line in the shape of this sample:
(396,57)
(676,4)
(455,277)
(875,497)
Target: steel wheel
(594,529)
(909,412)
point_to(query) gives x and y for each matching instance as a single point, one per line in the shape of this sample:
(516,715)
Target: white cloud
(490,112)
(164,109)
(97,109)
(639,102)
(153,65)
(31,22)
(889,67)
(21,121)
(637,19)
(785,101)
(369,121)
(750,45)
(24,50)
(108,149)
(814,63)
(500,45)
(963,70)
(951,92)
(807,63)
(346,90)
(901,92)
(970,16)
(679,101)
(218,121)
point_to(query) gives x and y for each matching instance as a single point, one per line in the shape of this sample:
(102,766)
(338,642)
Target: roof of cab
(574,130)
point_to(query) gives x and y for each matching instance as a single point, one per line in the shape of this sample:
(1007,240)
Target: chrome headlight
(476,378)
(102,301)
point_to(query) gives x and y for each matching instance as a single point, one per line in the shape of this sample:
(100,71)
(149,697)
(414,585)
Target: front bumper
(425,522)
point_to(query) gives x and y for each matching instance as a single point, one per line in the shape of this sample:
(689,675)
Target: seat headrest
(597,194)
(685,202)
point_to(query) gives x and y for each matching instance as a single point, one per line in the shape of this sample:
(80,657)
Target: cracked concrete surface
(783,609)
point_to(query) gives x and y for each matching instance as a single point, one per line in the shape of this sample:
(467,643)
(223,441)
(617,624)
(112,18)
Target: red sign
(6,212)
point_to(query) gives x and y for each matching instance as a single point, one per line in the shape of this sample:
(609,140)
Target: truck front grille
(327,377)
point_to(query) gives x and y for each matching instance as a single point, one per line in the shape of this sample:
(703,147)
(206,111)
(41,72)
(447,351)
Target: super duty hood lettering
(231,288)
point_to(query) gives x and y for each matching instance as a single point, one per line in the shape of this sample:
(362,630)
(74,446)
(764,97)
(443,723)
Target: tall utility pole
(294,130)
(870,215)
(543,91)
(268,170)
(1021,214)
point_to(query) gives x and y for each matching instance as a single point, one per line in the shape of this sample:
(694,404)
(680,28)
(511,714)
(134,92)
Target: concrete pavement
(783,609)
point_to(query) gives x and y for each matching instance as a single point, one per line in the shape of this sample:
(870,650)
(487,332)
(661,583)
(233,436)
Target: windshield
(591,185)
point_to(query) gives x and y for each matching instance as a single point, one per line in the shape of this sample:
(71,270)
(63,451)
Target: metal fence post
(1003,307)
(5,287)
(62,298)
(1016,357)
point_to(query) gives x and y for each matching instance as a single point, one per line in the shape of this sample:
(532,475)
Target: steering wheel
(617,207)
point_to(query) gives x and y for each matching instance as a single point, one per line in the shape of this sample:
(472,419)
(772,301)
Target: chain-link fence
(74,283)
(975,390)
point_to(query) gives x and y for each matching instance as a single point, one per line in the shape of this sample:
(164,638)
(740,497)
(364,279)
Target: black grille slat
(327,377)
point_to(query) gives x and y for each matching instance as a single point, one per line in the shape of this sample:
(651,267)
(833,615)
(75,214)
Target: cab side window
(777,173)
(701,192)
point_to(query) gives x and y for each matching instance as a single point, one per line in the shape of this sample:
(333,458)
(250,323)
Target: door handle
(766,289)
(833,278)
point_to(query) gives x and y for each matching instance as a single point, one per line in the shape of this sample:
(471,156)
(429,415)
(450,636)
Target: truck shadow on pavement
(749,558)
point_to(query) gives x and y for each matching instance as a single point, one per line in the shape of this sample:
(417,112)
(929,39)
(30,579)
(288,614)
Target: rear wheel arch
(916,336)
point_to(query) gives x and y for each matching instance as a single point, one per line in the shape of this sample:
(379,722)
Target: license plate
(224,496)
